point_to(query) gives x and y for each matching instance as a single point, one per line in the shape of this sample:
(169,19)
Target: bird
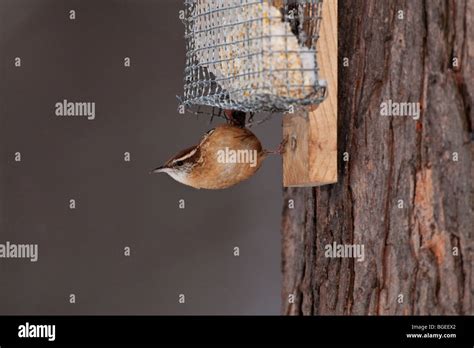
(225,156)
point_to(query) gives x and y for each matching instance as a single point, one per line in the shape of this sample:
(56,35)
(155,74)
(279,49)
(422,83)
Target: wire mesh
(252,55)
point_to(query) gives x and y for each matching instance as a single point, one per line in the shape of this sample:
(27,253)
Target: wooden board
(311,152)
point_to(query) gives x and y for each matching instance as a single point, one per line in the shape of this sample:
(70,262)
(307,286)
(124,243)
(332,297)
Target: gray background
(118,203)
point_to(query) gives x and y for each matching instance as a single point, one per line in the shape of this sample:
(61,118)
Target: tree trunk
(405,193)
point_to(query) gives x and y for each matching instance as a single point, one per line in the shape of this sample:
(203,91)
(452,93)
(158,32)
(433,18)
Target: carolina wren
(225,156)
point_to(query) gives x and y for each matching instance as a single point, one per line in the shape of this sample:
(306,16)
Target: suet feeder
(270,55)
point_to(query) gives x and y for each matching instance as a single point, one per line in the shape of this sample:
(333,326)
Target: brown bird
(225,156)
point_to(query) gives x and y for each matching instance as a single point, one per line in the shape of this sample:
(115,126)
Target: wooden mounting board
(310,158)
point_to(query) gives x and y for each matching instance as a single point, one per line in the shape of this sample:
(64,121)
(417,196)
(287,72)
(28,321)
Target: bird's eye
(179,163)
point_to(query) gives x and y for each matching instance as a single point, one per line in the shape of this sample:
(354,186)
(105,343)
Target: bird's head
(180,165)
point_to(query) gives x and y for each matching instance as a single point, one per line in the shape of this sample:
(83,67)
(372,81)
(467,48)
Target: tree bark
(418,257)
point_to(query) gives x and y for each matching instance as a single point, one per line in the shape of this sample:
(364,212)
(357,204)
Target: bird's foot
(280,150)
(235,118)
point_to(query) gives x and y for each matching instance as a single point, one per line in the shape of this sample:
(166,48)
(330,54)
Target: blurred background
(118,204)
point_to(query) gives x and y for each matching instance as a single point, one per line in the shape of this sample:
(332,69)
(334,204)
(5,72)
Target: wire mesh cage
(252,55)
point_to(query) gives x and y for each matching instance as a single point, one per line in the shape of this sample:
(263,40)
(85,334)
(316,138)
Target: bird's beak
(160,169)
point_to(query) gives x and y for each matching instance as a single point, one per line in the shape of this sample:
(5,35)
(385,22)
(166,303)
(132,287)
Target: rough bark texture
(409,251)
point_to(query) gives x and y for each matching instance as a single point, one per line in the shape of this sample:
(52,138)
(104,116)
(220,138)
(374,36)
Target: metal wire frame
(249,56)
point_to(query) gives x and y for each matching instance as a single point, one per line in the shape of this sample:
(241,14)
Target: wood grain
(313,161)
